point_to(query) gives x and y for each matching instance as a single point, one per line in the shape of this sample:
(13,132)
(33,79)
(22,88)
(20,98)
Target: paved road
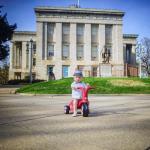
(38,123)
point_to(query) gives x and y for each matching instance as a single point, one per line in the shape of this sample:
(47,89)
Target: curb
(52,95)
(97,95)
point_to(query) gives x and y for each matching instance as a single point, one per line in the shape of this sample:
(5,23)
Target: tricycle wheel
(66,109)
(85,110)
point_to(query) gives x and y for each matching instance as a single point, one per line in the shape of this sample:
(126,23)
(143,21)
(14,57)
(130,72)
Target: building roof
(78,10)
(25,32)
(130,35)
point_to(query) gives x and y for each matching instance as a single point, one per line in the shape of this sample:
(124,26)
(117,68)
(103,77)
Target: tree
(6,32)
(143,54)
(4,74)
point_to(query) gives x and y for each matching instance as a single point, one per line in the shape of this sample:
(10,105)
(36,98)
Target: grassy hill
(102,86)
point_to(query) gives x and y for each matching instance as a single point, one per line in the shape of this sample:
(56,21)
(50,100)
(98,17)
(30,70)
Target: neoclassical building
(68,38)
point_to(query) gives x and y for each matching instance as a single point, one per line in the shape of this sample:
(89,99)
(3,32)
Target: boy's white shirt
(77,94)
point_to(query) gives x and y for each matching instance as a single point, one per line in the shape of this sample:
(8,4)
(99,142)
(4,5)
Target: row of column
(18,57)
(87,40)
(117,47)
(73,46)
(15,57)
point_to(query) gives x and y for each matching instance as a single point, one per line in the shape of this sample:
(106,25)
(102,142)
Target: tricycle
(82,104)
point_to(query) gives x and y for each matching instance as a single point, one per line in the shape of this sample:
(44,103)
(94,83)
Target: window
(108,38)
(65,40)
(80,29)
(34,47)
(50,72)
(50,42)
(65,29)
(65,33)
(128,53)
(33,76)
(94,29)
(94,52)
(50,50)
(94,71)
(108,34)
(109,50)
(34,62)
(80,67)
(80,33)
(50,68)
(94,33)
(17,75)
(65,71)
(50,31)
(65,51)
(80,53)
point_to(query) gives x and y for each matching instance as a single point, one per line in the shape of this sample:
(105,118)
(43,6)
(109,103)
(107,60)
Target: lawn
(102,86)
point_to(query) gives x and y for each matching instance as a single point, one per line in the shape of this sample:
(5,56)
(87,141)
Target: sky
(135,21)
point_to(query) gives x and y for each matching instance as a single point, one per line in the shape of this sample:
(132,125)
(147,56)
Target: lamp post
(31,50)
(29,46)
(140,68)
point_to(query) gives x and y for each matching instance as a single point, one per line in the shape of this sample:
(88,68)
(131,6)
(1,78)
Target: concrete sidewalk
(9,89)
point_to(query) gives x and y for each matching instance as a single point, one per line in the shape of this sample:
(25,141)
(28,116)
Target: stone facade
(19,58)
(71,38)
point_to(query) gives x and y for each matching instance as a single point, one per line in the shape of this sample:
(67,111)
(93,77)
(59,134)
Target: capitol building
(70,38)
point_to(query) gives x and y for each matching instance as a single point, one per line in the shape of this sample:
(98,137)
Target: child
(76,93)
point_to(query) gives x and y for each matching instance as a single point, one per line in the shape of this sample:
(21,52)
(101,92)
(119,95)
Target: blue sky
(136,19)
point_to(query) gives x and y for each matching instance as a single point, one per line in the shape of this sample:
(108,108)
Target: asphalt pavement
(39,123)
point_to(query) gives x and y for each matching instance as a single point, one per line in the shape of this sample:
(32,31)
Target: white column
(117,51)
(20,57)
(73,48)
(114,45)
(101,37)
(11,56)
(14,55)
(11,73)
(24,55)
(41,70)
(16,52)
(39,42)
(87,50)
(58,51)
(120,44)
(87,43)
(45,42)
(117,39)
(124,53)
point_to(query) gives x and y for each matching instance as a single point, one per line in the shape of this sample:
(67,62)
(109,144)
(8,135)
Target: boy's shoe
(74,114)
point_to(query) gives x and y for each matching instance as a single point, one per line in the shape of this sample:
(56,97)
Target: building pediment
(78,13)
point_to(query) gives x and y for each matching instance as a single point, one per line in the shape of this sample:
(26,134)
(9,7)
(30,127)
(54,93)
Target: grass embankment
(102,86)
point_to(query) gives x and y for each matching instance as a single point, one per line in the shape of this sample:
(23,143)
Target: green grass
(102,86)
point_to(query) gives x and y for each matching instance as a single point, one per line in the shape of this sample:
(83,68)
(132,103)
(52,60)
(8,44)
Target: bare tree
(143,54)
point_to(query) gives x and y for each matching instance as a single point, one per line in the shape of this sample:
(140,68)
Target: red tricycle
(82,104)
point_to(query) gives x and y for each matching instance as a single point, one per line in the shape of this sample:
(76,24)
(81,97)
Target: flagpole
(78,3)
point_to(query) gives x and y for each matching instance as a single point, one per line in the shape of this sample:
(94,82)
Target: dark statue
(106,55)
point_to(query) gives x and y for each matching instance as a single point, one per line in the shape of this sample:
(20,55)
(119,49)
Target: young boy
(76,93)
